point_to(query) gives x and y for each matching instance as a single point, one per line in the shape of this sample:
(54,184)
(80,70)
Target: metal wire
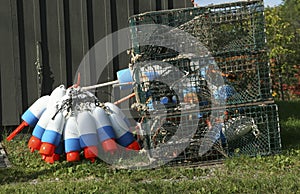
(234,34)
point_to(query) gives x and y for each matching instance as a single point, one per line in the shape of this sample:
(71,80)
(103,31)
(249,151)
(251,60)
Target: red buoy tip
(109,146)
(133,146)
(47,149)
(51,159)
(90,153)
(73,156)
(34,143)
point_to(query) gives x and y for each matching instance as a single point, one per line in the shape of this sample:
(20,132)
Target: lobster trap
(224,28)
(203,82)
(224,44)
(213,135)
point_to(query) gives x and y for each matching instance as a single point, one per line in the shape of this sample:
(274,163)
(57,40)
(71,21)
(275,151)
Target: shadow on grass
(289,115)
(17,175)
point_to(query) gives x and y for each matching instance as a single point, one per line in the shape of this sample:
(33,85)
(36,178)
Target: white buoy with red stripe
(34,142)
(71,139)
(31,115)
(88,135)
(105,130)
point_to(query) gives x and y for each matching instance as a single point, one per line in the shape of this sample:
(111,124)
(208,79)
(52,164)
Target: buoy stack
(72,122)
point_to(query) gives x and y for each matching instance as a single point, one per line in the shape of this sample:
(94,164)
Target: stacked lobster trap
(203,82)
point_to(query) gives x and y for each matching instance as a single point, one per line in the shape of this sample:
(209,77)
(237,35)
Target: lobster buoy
(225,92)
(56,95)
(35,111)
(124,76)
(34,142)
(105,130)
(52,135)
(118,111)
(123,136)
(88,135)
(31,115)
(57,152)
(71,140)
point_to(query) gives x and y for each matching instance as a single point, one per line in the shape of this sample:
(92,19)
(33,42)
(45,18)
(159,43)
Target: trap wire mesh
(233,34)
(234,115)
(222,28)
(244,130)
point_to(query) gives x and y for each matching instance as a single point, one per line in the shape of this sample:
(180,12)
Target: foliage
(283,36)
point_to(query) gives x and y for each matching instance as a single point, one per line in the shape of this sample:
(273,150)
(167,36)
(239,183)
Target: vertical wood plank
(101,10)
(78,37)
(55,42)
(182,3)
(30,51)
(9,58)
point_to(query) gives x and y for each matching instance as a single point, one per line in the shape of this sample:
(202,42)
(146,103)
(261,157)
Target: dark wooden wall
(65,29)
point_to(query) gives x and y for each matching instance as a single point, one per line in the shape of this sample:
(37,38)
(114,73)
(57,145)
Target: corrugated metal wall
(65,30)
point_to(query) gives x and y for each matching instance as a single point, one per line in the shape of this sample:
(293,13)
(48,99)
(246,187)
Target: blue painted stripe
(30,118)
(105,133)
(51,137)
(126,139)
(38,132)
(72,145)
(88,140)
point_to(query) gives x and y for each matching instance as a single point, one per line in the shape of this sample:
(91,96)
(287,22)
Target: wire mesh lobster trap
(232,34)
(249,130)
(213,135)
(221,28)
(203,82)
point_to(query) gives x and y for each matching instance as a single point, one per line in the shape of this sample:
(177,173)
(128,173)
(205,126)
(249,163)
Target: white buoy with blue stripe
(71,139)
(34,142)
(88,135)
(35,111)
(52,135)
(31,115)
(105,130)
(123,135)
(118,111)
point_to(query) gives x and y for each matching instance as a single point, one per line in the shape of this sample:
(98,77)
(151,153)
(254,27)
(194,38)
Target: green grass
(272,174)
(289,114)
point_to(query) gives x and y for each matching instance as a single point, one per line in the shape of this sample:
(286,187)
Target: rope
(38,66)
(37,63)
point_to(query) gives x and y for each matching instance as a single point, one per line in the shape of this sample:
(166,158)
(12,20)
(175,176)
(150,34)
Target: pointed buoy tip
(17,130)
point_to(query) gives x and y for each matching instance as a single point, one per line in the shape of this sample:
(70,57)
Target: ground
(272,174)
